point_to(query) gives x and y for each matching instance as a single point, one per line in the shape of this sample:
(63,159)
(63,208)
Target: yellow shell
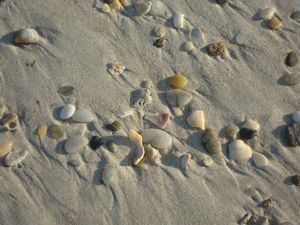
(115,5)
(5,148)
(275,23)
(137,139)
(105,8)
(178,81)
(42,131)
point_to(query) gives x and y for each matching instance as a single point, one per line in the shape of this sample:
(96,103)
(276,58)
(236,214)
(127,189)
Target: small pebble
(115,4)
(296,117)
(275,23)
(67,111)
(157,138)
(111,146)
(5,147)
(114,126)
(146,84)
(267,13)
(178,97)
(221,2)
(238,150)
(159,43)
(105,8)
(27,36)
(293,134)
(208,161)
(83,116)
(217,49)
(42,131)
(178,21)
(292,59)
(142,7)
(251,124)
(56,132)
(232,131)
(197,120)
(188,46)
(66,90)
(160,31)
(15,157)
(211,141)
(296,180)
(246,134)
(260,160)
(295,15)
(95,142)
(75,143)
(292,79)
(178,81)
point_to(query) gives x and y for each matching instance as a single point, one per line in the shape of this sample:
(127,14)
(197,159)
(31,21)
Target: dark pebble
(267,203)
(293,134)
(295,15)
(292,59)
(159,43)
(221,2)
(296,180)
(95,142)
(108,1)
(246,134)
(115,126)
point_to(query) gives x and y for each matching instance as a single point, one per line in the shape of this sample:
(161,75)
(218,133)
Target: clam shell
(178,81)
(178,20)
(296,117)
(5,147)
(137,139)
(15,157)
(142,7)
(108,175)
(42,131)
(178,97)
(208,161)
(157,138)
(260,160)
(266,13)
(83,116)
(56,132)
(27,36)
(275,23)
(188,46)
(251,124)
(196,119)
(185,161)
(75,143)
(67,111)
(292,79)
(238,150)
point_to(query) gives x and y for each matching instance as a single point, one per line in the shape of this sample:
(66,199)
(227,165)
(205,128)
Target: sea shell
(140,98)
(116,68)
(292,79)
(196,119)
(15,157)
(211,142)
(178,81)
(185,161)
(188,46)
(158,9)
(56,132)
(27,36)
(246,134)
(142,7)
(295,15)
(115,5)
(108,175)
(292,59)
(232,131)
(238,150)
(267,13)
(10,121)
(296,117)
(275,23)
(95,142)
(67,111)
(114,126)
(178,97)
(137,139)
(5,147)
(178,21)
(260,160)
(164,119)
(251,124)
(208,161)
(217,49)
(157,138)
(75,143)
(293,134)
(267,203)
(42,131)
(160,31)
(152,154)
(245,219)
(105,8)
(83,116)
(125,2)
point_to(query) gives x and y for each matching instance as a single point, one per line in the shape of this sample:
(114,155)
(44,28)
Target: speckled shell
(217,49)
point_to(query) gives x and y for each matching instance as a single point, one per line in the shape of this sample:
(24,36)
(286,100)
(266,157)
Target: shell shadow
(195,141)
(170,160)
(48,33)
(59,149)
(8,38)
(181,121)
(56,112)
(281,81)
(288,181)
(279,133)
(162,85)
(256,17)
(163,98)
(265,24)
(96,180)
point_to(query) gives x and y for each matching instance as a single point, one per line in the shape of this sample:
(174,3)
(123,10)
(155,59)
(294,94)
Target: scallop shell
(238,150)
(83,116)
(260,160)
(5,147)
(157,138)
(185,161)
(251,124)
(27,36)
(208,161)
(42,131)
(178,97)
(178,20)
(67,111)
(142,7)
(217,49)
(296,117)
(196,119)
(275,23)
(266,13)
(178,81)
(75,143)
(15,157)
(105,8)
(137,139)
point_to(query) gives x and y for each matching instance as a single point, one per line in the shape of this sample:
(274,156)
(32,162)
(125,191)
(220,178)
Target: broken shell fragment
(10,121)
(178,81)
(208,161)
(159,43)
(159,31)
(197,120)
(185,161)
(251,124)
(15,157)
(42,131)
(142,7)
(105,8)
(137,139)
(27,36)
(178,21)
(232,131)
(116,5)
(116,68)
(164,119)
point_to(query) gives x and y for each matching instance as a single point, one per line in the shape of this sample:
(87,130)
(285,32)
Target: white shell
(83,116)
(208,161)
(196,119)
(238,150)
(232,131)
(160,31)
(178,97)
(14,158)
(27,36)
(266,13)
(251,124)
(188,46)
(137,139)
(105,8)
(158,9)
(142,7)
(157,138)
(296,117)
(75,143)
(108,175)
(185,161)
(178,21)
(260,160)
(67,111)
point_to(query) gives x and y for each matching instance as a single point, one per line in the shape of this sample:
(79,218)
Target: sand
(78,42)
